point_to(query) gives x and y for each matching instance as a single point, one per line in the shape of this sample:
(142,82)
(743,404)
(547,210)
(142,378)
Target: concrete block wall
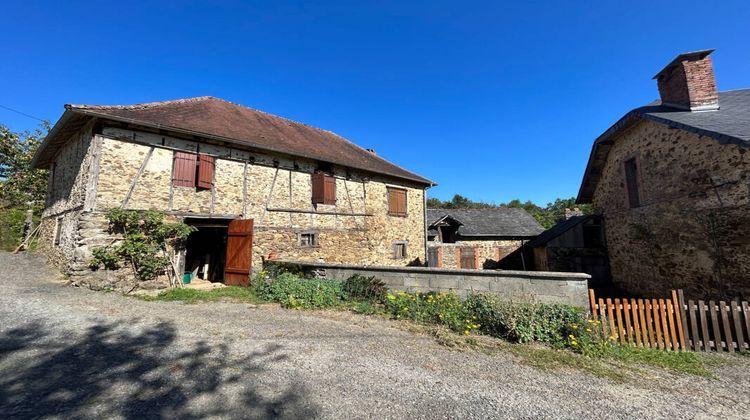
(521,286)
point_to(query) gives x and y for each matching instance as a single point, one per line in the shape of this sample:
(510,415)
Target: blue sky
(493,101)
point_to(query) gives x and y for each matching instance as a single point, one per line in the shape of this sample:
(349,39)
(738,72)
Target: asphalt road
(67,352)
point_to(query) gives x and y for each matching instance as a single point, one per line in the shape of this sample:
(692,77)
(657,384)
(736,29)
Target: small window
(58,231)
(399,250)
(323,189)
(632,183)
(396,202)
(308,239)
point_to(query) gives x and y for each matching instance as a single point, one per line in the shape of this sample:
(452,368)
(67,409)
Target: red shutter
(206,172)
(323,189)
(396,202)
(318,188)
(184,169)
(329,190)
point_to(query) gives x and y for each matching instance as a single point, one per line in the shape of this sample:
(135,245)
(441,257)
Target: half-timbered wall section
(139,170)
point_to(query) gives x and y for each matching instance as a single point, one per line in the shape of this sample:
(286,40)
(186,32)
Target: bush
(442,308)
(12,221)
(523,322)
(295,292)
(359,287)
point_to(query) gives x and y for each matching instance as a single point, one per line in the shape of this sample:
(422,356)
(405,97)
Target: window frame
(397,245)
(57,237)
(315,239)
(390,190)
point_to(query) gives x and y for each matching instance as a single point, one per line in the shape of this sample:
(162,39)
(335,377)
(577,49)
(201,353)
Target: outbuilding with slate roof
(479,238)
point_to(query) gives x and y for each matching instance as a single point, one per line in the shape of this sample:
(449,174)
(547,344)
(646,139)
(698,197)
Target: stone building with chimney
(671,181)
(253,184)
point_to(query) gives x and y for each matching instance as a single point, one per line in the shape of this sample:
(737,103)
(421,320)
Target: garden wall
(526,286)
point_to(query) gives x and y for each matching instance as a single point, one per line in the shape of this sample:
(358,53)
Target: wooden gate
(674,324)
(239,252)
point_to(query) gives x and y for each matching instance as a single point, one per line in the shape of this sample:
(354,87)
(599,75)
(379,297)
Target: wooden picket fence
(672,324)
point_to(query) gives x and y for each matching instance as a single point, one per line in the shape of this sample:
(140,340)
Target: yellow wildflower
(575,343)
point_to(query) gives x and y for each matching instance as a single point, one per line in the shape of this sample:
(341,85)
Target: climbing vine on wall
(147,241)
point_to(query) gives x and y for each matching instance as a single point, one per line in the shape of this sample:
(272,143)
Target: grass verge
(623,364)
(229,293)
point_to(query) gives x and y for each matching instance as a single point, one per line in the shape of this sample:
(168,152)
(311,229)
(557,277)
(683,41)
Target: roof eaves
(629,119)
(92,112)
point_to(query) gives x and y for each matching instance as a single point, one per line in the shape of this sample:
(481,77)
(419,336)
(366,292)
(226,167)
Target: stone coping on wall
(547,275)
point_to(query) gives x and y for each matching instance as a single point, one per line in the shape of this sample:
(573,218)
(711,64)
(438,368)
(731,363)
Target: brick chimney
(688,82)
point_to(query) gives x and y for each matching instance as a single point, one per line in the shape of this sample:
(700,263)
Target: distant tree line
(547,216)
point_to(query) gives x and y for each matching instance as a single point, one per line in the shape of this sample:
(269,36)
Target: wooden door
(467,258)
(239,252)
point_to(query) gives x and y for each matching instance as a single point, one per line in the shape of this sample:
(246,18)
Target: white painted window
(307,239)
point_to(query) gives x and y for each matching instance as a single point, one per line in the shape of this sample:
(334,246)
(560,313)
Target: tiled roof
(730,124)
(503,222)
(217,119)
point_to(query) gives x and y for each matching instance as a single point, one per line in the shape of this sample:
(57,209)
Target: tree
(19,182)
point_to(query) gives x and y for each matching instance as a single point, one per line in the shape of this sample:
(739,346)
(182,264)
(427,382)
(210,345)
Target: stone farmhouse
(253,184)
(671,181)
(479,238)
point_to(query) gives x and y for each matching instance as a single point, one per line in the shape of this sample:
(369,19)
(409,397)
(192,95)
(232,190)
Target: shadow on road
(114,371)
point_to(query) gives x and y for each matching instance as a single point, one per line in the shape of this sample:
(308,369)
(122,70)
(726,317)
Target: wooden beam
(137,176)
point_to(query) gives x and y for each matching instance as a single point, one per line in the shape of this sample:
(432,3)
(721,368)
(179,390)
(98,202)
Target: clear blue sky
(491,101)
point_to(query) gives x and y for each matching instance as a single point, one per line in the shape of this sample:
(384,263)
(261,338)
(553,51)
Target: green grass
(623,364)
(230,293)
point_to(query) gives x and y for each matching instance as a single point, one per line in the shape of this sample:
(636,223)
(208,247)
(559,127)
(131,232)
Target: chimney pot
(688,82)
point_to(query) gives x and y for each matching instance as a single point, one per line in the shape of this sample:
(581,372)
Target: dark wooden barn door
(239,252)
(467,257)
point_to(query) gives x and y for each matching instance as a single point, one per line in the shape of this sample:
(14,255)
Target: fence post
(727,329)
(738,326)
(679,311)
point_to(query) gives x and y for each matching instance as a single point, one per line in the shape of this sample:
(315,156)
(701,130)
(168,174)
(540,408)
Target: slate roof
(730,124)
(219,120)
(503,222)
(557,230)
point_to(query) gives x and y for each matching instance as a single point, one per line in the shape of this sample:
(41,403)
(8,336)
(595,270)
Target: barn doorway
(206,249)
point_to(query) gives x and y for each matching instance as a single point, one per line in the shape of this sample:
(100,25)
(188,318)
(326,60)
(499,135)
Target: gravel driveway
(69,352)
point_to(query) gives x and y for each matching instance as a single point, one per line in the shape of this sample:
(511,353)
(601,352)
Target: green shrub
(588,338)
(359,287)
(295,292)
(12,221)
(442,308)
(523,322)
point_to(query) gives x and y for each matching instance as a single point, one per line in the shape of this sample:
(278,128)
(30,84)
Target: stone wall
(135,171)
(692,230)
(520,286)
(490,252)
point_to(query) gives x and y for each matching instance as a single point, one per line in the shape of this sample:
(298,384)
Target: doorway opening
(206,249)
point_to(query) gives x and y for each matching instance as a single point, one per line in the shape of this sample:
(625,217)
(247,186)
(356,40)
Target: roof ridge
(144,105)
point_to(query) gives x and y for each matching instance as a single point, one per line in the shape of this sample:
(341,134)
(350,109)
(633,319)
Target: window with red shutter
(323,189)
(396,201)
(205,171)
(184,169)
